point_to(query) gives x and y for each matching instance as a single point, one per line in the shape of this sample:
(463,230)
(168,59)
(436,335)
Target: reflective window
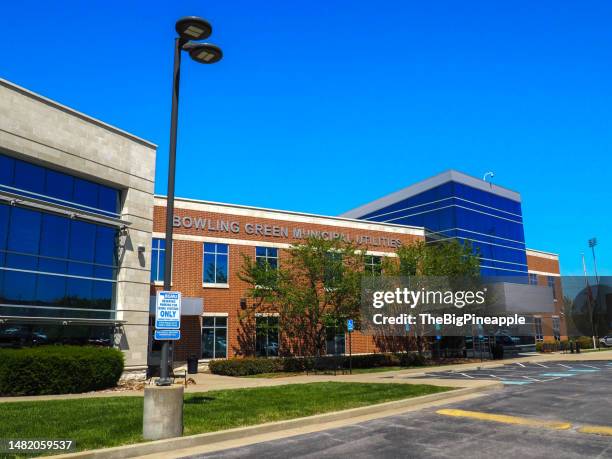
(214,337)
(373,265)
(215,265)
(53,261)
(267,256)
(30,180)
(266,336)
(333,269)
(158,260)
(24,334)
(551,284)
(533,279)
(556,325)
(539,336)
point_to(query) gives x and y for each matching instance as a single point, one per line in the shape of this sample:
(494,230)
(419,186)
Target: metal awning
(15,199)
(62,320)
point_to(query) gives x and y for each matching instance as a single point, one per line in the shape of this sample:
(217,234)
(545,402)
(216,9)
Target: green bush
(58,369)
(585,342)
(245,366)
(410,359)
(253,366)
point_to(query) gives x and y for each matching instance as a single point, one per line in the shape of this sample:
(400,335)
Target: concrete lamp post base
(163,412)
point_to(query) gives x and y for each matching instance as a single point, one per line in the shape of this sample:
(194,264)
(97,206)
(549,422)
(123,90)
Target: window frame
(214,327)
(158,281)
(216,254)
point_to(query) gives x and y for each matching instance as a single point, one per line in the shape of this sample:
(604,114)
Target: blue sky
(322,106)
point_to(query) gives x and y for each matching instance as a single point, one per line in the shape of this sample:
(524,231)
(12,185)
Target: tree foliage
(317,284)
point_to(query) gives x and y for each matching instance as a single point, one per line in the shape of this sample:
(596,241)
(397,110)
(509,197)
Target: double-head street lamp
(592,244)
(190,30)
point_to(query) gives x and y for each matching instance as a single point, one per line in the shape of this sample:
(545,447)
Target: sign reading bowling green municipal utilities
(168,310)
(167,335)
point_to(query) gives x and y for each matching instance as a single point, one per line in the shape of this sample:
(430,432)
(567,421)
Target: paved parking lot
(527,373)
(562,410)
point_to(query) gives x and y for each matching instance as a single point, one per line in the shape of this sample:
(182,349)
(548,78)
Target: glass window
(7,169)
(538,329)
(82,241)
(215,266)
(55,236)
(24,334)
(267,256)
(533,279)
(214,337)
(158,260)
(29,177)
(333,269)
(556,325)
(48,260)
(551,284)
(266,336)
(57,187)
(373,265)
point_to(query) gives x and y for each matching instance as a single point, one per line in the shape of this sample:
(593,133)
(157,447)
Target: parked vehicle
(606,341)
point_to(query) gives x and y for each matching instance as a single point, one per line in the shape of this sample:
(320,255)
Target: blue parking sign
(350,326)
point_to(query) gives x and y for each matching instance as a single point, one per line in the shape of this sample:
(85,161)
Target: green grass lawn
(104,422)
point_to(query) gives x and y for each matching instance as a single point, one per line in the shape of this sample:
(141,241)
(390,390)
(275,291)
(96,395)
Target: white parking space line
(518,363)
(539,364)
(532,379)
(566,366)
(467,376)
(589,366)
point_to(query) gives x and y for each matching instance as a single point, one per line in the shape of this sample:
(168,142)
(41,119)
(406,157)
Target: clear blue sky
(321,106)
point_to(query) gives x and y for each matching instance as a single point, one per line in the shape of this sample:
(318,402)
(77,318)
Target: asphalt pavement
(551,415)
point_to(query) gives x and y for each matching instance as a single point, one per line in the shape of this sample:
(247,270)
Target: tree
(449,263)
(316,285)
(448,258)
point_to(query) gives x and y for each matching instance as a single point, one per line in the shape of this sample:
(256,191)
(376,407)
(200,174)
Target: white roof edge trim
(542,254)
(427,184)
(72,111)
(298,217)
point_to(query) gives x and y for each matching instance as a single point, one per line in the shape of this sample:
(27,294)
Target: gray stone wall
(39,130)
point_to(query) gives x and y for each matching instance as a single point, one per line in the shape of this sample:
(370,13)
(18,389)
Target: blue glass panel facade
(53,266)
(33,181)
(493,224)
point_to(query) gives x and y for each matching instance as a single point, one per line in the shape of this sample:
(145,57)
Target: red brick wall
(545,264)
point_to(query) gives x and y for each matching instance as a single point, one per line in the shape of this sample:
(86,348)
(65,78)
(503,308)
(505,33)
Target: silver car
(606,341)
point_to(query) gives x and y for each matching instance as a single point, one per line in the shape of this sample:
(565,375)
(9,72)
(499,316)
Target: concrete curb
(160,446)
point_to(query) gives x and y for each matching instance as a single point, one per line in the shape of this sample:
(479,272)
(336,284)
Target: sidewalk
(207,382)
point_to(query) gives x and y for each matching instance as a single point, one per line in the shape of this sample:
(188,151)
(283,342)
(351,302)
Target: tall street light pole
(592,244)
(188,29)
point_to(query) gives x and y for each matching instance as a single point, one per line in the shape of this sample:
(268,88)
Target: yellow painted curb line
(598,430)
(506,419)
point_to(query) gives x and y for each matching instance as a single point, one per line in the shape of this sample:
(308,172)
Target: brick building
(209,240)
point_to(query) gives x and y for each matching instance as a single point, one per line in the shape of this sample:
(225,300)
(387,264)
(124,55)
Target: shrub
(252,366)
(246,366)
(585,342)
(58,369)
(410,359)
